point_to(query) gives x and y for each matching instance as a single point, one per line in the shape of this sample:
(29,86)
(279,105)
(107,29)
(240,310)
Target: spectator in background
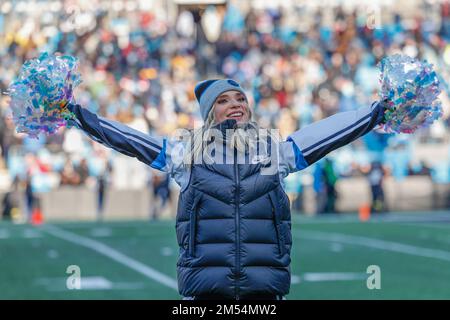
(325,179)
(10,203)
(330,179)
(421,170)
(102,186)
(161,193)
(82,171)
(29,197)
(319,188)
(294,189)
(376,176)
(6,136)
(68,175)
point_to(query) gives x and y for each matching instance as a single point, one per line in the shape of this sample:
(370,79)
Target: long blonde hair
(240,139)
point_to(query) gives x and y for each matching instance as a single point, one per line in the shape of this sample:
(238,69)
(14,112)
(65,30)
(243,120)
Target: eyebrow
(227,95)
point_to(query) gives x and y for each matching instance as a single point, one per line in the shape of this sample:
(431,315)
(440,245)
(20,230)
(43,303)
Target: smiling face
(231,105)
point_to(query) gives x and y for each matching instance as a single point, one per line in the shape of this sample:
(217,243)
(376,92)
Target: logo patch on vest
(260,158)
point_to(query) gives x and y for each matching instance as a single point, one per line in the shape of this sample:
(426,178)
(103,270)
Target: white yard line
(426,225)
(113,254)
(390,217)
(118,224)
(374,243)
(332,276)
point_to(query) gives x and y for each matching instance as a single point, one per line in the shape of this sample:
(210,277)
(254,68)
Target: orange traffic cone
(364,212)
(36,217)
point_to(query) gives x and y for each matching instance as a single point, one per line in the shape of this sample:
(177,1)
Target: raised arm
(122,138)
(316,140)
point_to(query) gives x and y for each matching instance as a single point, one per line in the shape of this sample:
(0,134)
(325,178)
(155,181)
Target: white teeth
(236,114)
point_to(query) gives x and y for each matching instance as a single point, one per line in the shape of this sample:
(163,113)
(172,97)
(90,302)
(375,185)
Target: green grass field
(136,260)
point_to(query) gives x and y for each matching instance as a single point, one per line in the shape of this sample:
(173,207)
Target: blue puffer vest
(234,232)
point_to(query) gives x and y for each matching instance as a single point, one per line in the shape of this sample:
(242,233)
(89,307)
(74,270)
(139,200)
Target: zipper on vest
(236,213)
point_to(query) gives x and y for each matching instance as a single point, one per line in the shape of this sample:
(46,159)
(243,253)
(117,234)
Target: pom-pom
(41,93)
(410,88)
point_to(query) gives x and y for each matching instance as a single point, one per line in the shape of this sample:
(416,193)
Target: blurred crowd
(139,66)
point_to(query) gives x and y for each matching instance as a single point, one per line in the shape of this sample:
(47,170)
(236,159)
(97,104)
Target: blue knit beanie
(207,92)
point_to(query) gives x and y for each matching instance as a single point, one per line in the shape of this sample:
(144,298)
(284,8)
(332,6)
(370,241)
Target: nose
(236,104)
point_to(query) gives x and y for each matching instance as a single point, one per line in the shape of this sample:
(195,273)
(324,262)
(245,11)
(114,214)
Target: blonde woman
(233,221)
